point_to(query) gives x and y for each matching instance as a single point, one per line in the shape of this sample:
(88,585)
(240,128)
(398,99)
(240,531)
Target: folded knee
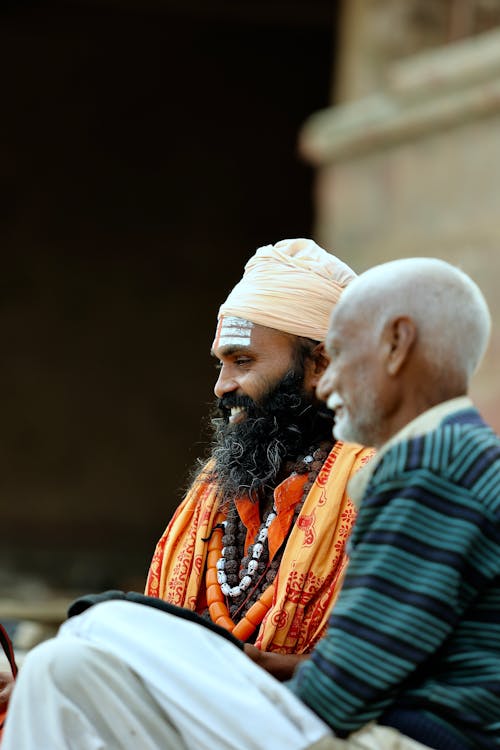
(66,662)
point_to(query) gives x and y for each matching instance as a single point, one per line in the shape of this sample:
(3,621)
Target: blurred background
(147,148)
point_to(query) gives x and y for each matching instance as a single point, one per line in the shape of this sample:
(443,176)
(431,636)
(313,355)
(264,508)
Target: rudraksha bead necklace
(244,578)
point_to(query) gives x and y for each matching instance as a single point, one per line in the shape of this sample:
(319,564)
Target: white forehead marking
(235,332)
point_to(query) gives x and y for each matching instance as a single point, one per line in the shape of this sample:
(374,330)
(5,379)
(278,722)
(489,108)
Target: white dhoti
(123,676)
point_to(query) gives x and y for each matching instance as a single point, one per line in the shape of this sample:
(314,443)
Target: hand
(280,666)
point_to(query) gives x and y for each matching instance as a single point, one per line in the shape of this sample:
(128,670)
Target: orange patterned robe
(313,560)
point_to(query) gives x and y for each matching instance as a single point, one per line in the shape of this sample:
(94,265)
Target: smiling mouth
(238,414)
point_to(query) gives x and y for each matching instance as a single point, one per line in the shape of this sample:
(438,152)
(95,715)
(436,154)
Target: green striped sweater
(414,639)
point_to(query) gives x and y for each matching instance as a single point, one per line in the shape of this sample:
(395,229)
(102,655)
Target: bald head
(448,308)
(416,330)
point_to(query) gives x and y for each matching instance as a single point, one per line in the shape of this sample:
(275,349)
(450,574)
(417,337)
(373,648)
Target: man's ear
(400,336)
(316,365)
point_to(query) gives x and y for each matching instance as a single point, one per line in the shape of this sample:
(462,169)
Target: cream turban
(291,286)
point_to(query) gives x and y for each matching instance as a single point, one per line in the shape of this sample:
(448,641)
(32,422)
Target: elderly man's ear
(398,338)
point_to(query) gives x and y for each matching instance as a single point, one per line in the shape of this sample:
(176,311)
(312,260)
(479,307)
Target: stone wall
(413,169)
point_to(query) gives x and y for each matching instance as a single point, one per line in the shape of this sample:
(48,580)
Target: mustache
(254,409)
(231,400)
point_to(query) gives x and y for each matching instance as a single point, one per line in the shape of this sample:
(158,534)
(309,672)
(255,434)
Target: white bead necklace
(251,568)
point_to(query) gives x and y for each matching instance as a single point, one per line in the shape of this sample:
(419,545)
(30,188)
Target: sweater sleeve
(416,563)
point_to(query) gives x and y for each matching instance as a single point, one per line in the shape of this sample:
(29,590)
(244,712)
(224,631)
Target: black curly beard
(285,424)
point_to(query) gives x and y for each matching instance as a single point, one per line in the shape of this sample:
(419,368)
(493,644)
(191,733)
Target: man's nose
(225,383)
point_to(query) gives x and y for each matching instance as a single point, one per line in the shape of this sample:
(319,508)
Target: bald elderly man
(411,656)
(258,543)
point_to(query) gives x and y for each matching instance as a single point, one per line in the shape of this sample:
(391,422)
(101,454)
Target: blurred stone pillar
(414,169)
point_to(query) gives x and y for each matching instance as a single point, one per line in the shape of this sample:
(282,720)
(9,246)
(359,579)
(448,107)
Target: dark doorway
(146,151)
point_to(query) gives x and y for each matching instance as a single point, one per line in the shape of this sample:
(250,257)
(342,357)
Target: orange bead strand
(216,600)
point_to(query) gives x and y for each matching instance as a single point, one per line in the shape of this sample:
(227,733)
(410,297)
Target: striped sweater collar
(425,422)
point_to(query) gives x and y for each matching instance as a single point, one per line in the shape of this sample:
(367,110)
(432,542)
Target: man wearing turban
(257,545)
